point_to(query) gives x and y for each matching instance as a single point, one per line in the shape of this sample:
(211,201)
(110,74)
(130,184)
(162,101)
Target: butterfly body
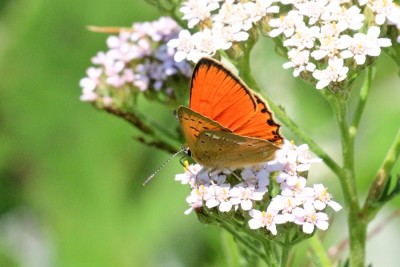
(227,125)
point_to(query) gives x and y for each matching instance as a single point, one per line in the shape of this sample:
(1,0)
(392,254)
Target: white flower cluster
(295,203)
(321,35)
(138,59)
(221,24)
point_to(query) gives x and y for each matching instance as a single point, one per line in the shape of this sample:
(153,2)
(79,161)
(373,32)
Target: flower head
(248,192)
(335,72)
(137,60)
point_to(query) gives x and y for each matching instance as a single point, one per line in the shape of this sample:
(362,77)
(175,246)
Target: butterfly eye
(187,151)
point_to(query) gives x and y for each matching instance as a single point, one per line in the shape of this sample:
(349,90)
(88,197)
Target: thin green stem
(230,248)
(269,250)
(320,251)
(357,223)
(242,240)
(285,249)
(374,200)
(364,92)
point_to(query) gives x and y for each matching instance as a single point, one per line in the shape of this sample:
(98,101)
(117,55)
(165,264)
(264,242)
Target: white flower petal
(308,228)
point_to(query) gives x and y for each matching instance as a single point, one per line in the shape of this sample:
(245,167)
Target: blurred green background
(71,177)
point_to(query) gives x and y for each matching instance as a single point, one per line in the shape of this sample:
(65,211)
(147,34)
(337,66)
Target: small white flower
(259,9)
(363,45)
(184,45)
(263,178)
(394,16)
(294,189)
(323,198)
(189,176)
(329,47)
(195,11)
(299,60)
(312,9)
(291,160)
(249,176)
(218,195)
(90,83)
(234,14)
(286,24)
(196,197)
(230,33)
(303,37)
(246,195)
(363,2)
(286,205)
(335,72)
(207,43)
(309,218)
(267,219)
(382,9)
(346,18)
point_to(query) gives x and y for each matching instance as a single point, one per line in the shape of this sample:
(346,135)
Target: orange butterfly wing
(262,124)
(221,96)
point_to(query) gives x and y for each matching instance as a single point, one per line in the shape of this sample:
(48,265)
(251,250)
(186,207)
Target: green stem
(357,223)
(269,250)
(245,242)
(364,92)
(373,202)
(232,254)
(320,251)
(285,249)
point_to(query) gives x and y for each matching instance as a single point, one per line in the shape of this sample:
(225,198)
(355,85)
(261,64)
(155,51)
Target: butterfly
(226,125)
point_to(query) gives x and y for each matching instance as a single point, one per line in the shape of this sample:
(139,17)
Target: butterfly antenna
(163,165)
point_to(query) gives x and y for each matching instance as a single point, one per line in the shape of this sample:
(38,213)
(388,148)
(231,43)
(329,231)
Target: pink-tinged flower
(244,196)
(285,205)
(294,190)
(196,198)
(218,195)
(267,219)
(308,217)
(323,198)
(89,84)
(255,178)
